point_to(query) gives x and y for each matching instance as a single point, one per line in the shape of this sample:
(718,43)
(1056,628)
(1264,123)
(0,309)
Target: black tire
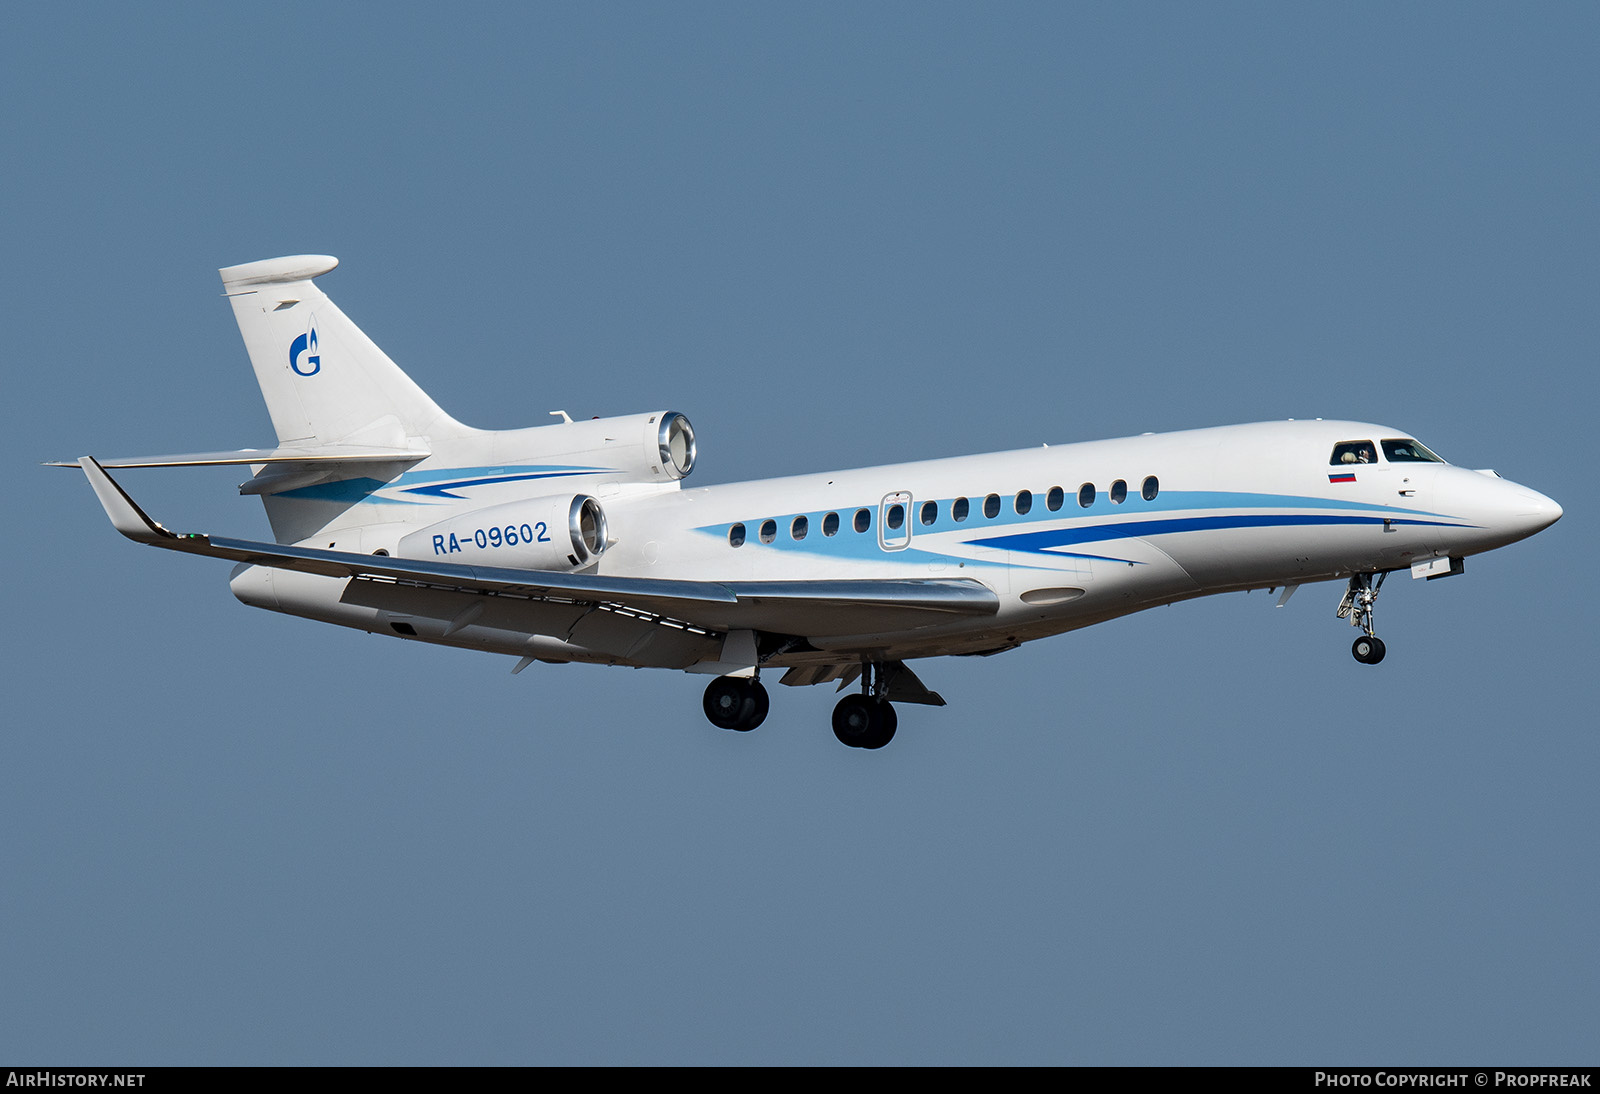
(884,722)
(756,712)
(728,703)
(864,723)
(852,720)
(1368,650)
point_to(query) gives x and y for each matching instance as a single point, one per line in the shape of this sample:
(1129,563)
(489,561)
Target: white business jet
(577,541)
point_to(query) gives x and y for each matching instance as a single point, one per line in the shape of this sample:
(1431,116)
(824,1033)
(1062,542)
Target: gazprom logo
(303,356)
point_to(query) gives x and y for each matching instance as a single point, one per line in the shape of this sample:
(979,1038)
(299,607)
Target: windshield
(1408,451)
(1354,452)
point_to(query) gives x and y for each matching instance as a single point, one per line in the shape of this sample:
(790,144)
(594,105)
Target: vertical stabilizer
(324,381)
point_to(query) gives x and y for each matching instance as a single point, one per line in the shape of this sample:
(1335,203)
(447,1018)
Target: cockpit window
(1408,451)
(1348,452)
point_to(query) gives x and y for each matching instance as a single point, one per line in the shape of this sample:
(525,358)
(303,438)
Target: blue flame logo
(306,344)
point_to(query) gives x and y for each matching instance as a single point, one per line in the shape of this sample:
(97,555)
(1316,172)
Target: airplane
(578,540)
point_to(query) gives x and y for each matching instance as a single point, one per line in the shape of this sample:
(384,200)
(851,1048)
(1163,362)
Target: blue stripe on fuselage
(433,484)
(1048,539)
(442,489)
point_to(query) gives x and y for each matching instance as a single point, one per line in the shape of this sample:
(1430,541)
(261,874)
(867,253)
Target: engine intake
(675,439)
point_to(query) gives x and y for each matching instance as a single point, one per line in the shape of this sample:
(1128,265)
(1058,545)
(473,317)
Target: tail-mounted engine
(566,532)
(653,448)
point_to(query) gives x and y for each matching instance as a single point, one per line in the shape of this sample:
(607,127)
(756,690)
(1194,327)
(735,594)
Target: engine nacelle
(658,447)
(566,532)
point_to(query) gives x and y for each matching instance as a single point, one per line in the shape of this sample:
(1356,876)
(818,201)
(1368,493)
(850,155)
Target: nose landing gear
(1357,607)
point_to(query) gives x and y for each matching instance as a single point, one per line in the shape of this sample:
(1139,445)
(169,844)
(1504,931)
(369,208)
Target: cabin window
(1407,451)
(1086,494)
(991,506)
(1348,452)
(958,510)
(1150,489)
(930,512)
(863,520)
(1119,492)
(769,531)
(1053,500)
(736,536)
(799,528)
(830,524)
(1024,501)
(895,517)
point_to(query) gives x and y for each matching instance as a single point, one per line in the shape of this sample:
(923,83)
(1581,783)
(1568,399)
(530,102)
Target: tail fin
(322,378)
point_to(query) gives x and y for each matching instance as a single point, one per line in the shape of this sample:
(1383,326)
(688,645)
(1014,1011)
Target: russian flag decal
(1347,476)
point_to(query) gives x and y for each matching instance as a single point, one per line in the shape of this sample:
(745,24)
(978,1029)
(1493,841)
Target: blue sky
(833,235)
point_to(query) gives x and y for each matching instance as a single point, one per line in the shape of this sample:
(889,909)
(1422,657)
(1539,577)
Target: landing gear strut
(1357,607)
(732,702)
(866,720)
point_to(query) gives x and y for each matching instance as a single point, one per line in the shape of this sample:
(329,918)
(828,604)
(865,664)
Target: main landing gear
(866,720)
(733,702)
(861,721)
(1357,607)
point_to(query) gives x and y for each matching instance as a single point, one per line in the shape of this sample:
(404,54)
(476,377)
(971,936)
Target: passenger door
(894,521)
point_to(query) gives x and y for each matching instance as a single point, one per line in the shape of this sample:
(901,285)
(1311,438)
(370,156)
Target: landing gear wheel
(756,716)
(861,722)
(724,702)
(883,731)
(852,719)
(1368,649)
(733,703)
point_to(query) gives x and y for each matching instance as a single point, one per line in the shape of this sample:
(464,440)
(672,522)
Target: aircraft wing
(807,608)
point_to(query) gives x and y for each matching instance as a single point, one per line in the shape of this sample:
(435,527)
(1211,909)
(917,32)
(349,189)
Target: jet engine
(658,447)
(565,532)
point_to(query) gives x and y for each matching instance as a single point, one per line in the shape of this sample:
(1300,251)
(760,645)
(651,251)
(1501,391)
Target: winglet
(126,516)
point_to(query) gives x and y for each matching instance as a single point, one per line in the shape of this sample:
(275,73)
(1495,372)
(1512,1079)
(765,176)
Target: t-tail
(324,381)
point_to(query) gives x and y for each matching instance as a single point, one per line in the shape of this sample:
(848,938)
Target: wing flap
(901,685)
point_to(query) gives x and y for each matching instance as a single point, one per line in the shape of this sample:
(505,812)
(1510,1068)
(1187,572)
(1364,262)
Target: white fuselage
(1065,535)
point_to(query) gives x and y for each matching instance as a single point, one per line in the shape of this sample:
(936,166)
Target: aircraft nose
(1535,511)
(1505,511)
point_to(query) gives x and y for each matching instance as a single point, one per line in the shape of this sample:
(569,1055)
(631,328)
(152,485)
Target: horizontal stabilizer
(329,453)
(275,271)
(805,607)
